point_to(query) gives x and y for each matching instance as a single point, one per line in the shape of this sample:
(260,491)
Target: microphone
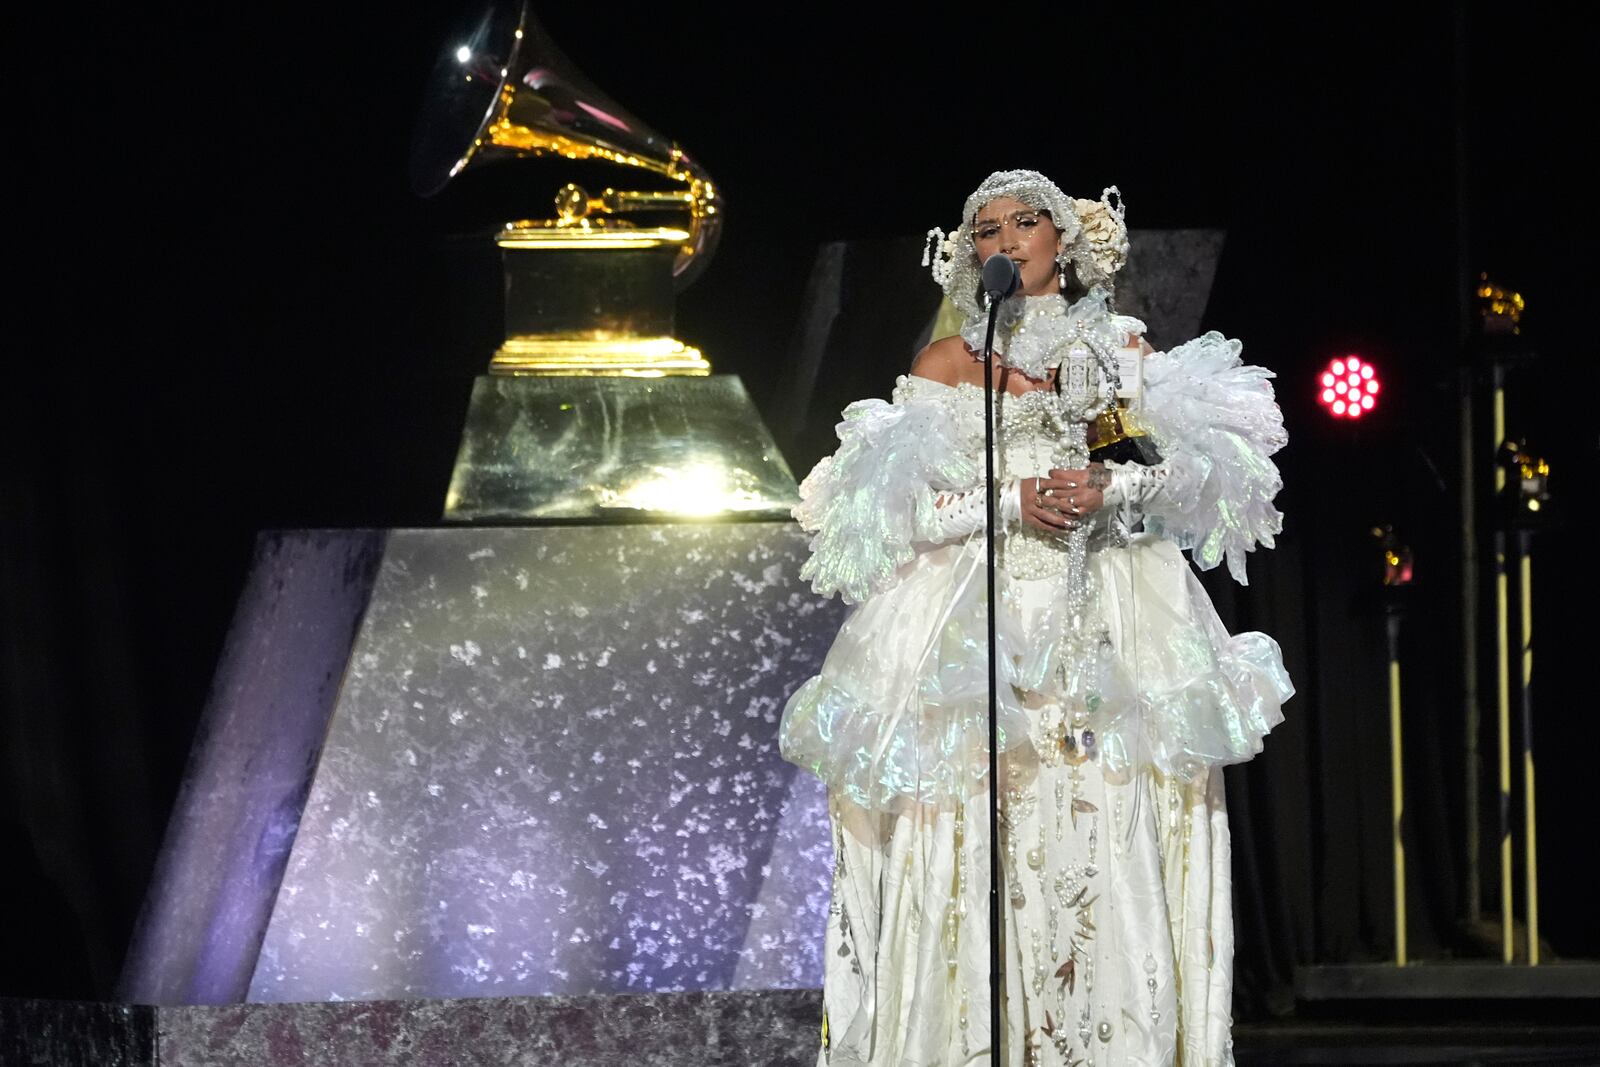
(1000,276)
(1000,279)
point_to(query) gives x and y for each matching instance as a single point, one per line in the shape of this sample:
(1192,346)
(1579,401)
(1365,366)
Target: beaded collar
(1034,332)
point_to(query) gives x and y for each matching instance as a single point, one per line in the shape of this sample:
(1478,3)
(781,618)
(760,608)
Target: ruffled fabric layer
(899,711)
(1215,420)
(1212,416)
(1204,697)
(865,503)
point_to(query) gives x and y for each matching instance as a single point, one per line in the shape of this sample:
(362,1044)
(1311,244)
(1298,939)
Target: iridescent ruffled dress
(1115,722)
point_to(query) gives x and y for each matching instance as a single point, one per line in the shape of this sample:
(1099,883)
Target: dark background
(234,315)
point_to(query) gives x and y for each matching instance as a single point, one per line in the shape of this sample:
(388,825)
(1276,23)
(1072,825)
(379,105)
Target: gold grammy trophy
(591,409)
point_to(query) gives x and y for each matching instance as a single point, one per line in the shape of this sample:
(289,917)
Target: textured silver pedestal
(251,766)
(551,768)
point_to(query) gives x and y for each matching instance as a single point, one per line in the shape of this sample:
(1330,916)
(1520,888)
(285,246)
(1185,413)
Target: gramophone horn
(506,91)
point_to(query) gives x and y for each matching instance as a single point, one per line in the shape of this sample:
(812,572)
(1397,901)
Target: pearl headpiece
(1094,235)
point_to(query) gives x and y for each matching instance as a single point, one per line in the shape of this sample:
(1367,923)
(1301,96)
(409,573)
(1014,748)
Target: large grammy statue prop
(532,751)
(592,409)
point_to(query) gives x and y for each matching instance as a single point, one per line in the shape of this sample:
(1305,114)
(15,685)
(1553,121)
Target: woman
(1121,695)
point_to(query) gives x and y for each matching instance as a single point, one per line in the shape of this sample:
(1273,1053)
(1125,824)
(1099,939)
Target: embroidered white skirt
(1117,933)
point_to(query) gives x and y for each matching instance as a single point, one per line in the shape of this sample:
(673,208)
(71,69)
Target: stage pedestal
(544,763)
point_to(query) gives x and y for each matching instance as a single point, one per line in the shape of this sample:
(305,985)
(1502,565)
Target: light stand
(1397,578)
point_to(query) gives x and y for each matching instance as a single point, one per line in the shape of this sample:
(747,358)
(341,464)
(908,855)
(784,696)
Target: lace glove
(1136,487)
(955,515)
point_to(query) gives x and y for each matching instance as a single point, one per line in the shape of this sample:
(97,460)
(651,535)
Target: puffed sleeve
(866,503)
(1215,422)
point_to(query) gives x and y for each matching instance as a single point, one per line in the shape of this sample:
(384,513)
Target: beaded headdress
(1094,235)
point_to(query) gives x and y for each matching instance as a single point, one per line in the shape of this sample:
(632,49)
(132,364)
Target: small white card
(1130,365)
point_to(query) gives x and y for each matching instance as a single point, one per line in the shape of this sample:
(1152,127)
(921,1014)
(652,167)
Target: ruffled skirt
(1117,932)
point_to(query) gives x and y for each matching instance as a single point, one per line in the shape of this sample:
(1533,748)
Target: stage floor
(773,1028)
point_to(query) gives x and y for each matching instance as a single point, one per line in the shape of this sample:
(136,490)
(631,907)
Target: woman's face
(1011,228)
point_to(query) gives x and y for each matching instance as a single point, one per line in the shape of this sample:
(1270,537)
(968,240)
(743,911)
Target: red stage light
(1348,387)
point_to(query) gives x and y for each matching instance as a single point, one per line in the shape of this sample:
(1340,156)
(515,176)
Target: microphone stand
(1000,279)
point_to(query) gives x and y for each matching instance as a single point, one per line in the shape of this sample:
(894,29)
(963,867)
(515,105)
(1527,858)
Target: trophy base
(619,448)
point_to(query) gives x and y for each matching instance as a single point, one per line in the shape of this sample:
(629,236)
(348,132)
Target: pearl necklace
(1034,333)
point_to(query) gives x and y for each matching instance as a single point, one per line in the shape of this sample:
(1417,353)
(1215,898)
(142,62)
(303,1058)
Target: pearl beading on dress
(1036,334)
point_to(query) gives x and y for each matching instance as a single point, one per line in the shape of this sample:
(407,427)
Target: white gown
(1118,932)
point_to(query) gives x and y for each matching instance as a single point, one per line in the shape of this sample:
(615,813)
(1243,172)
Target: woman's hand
(1063,500)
